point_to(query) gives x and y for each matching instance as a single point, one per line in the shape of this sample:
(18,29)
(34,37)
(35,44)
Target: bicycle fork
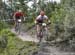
(17,28)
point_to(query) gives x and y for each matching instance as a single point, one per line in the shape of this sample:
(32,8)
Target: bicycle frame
(18,25)
(42,32)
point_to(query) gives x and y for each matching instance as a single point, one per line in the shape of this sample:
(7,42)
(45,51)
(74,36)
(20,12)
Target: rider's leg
(39,33)
(46,33)
(38,30)
(15,25)
(46,28)
(19,27)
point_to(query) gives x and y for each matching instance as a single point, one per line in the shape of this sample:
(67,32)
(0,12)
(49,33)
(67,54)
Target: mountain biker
(41,19)
(18,15)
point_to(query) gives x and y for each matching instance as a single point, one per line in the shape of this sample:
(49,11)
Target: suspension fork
(45,33)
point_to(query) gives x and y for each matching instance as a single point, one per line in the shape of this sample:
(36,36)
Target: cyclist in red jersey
(18,15)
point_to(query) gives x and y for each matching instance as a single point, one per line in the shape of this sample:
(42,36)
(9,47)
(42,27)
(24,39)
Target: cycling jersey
(40,18)
(18,15)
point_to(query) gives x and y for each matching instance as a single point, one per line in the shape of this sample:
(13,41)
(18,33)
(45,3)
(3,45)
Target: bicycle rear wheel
(16,27)
(19,27)
(40,36)
(46,35)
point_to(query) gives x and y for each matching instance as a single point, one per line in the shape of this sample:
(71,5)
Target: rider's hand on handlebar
(49,22)
(35,22)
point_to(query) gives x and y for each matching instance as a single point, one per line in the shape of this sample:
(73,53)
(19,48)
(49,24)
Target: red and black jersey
(18,15)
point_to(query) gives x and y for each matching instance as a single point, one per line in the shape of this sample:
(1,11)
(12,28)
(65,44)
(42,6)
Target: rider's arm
(35,21)
(47,20)
(23,16)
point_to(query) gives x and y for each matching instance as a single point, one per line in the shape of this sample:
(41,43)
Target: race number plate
(19,20)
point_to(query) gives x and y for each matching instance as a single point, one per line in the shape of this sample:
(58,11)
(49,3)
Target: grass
(13,45)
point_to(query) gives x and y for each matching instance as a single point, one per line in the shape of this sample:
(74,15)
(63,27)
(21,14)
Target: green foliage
(3,25)
(11,45)
(63,18)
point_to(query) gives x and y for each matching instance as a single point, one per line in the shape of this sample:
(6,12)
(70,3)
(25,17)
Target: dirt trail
(25,36)
(44,49)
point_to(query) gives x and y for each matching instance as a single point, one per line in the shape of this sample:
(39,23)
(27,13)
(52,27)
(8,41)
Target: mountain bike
(43,32)
(18,26)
